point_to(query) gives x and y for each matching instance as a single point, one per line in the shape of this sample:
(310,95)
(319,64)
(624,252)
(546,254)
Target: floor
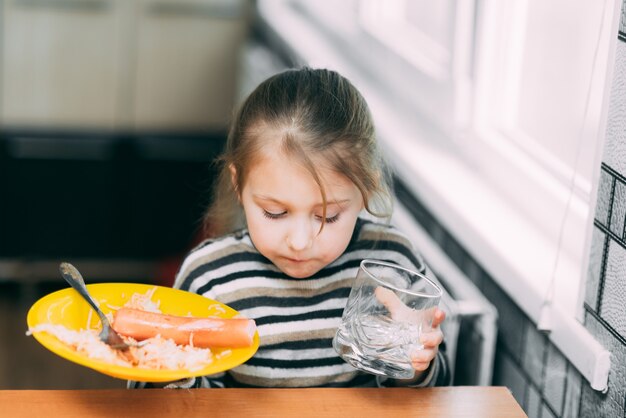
(24,363)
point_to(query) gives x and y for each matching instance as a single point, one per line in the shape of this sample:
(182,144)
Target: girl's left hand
(421,358)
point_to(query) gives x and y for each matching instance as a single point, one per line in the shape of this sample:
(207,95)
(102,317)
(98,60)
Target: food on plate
(198,332)
(156,351)
(156,354)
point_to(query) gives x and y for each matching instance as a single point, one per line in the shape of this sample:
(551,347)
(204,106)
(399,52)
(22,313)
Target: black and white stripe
(296,318)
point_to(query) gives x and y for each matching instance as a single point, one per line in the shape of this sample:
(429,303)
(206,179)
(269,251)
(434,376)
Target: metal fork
(108,334)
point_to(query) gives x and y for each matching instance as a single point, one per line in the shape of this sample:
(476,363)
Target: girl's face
(283,208)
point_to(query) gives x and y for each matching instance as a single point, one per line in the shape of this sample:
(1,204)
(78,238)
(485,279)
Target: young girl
(301,164)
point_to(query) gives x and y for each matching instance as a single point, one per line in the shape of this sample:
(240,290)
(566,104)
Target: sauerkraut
(155,353)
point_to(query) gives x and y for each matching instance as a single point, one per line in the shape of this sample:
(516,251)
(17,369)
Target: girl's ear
(233,179)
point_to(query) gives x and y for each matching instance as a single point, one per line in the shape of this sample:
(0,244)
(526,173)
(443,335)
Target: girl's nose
(300,235)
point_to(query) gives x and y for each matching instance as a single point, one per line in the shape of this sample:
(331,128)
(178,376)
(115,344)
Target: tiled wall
(539,376)
(605,297)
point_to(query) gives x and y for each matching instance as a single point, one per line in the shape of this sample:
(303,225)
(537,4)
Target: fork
(108,335)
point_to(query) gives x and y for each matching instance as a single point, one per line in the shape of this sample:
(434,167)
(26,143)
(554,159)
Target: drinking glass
(388,308)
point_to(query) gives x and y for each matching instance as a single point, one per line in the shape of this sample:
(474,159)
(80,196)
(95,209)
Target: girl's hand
(421,359)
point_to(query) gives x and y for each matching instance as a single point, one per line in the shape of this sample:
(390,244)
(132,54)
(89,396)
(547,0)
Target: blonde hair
(322,117)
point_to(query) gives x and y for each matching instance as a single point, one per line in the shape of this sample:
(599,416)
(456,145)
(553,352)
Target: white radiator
(470,328)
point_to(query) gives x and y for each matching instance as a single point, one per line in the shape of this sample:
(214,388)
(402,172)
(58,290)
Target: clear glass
(387,309)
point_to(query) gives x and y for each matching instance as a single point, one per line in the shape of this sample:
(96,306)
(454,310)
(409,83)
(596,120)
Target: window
(541,72)
(426,52)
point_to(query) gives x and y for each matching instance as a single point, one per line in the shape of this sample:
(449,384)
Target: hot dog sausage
(201,332)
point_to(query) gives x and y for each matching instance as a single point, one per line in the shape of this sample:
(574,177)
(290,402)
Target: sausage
(201,332)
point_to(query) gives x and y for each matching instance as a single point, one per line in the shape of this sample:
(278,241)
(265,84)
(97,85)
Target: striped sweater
(296,318)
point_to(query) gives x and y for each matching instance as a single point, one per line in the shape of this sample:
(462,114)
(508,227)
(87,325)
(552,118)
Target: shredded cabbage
(154,353)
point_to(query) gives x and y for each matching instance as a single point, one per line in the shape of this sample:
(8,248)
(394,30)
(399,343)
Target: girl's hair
(321,118)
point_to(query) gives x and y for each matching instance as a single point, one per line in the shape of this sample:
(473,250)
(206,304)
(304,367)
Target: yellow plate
(66,307)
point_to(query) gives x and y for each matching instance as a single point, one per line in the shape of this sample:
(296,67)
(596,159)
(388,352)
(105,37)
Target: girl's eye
(331,219)
(271,215)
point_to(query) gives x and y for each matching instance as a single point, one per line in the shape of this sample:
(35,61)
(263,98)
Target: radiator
(470,328)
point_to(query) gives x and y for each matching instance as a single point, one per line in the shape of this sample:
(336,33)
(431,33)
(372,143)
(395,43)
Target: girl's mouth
(295,260)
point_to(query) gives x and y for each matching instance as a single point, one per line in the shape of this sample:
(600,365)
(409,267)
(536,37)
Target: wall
(539,376)
(605,310)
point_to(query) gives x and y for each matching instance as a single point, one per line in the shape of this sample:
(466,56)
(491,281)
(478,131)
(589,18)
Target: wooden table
(444,402)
